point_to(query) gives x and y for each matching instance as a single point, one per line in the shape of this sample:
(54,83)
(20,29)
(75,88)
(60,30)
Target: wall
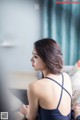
(20,26)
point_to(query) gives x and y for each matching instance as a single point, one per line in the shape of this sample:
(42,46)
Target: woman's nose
(32,59)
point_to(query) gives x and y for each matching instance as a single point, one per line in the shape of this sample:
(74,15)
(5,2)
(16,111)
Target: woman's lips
(32,65)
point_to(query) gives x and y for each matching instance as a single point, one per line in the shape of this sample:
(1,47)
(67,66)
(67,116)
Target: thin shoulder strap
(59,85)
(61,91)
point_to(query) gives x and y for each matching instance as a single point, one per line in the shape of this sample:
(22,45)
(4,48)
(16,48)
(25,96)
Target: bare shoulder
(67,79)
(35,86)
(35,83)
(66,76)
(67,83)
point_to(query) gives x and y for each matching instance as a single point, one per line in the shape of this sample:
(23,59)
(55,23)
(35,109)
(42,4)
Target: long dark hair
(50,52)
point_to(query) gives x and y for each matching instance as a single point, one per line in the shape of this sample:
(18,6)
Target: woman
(50,97)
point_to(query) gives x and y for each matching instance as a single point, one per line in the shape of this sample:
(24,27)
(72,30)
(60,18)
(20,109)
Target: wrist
(26,117)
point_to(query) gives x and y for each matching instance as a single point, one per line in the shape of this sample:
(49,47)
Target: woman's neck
(46,73)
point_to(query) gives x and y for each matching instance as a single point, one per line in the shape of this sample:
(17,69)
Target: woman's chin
(36,69)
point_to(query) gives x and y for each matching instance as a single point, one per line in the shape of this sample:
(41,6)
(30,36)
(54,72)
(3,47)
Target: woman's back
(49,98)
(54,98)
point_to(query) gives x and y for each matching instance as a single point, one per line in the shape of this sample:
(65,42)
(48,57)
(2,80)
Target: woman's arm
(33,101)
(31,110)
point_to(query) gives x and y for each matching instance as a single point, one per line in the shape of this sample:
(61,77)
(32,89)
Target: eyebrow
(34,53)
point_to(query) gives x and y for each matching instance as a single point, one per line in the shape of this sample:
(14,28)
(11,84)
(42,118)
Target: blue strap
(61,92)
(59,85)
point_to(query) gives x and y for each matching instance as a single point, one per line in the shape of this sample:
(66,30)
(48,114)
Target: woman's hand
(76,109)
(25,110)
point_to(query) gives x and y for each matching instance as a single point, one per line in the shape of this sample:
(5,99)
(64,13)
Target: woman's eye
(36,56)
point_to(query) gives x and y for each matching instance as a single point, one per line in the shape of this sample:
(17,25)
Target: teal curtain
(62,23)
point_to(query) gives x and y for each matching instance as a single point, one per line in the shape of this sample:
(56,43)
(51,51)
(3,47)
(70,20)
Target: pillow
(67,68)
(75,79)
(75,68)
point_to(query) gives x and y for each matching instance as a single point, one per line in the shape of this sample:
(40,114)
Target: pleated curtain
(62,23)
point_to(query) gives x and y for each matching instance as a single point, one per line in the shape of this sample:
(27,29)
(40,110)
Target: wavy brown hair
(50,52)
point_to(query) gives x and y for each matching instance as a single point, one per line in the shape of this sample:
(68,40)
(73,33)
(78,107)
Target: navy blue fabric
(54,114)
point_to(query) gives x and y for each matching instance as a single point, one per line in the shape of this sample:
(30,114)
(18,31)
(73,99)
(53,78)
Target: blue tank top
(54,114)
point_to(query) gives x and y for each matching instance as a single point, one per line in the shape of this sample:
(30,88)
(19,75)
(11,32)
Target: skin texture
(42,92)
(76,108)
